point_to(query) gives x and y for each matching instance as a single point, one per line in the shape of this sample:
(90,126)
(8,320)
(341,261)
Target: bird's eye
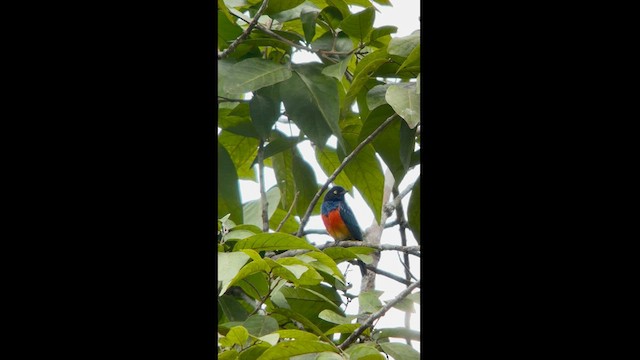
(335,191)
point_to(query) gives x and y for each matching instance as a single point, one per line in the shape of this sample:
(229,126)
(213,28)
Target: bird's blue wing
(350,220)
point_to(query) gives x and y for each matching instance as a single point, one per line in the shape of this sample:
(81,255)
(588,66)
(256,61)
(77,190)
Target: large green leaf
(376,96)
(251,268)
(400,351)
(341,43)
(260,325)
(359,25)
(309,304)
(242,150)
(413,211)
(369,301)
(272,242)
(337,70)
(254,73)
(296,334)
(232,308)
(278,145)
(325,260)
(252,210)
(383,31)
(308,20)
(290,226)
(283,168)
(224,66)
(294,13)
(287,349)
(413,60)
(278,6)
(237,121)
(229,264)
(363,74)
(365,171)
(255,285)
(306,184)
(405,101)
(365,351)
(403,46)
(311,101)
(227,31)
(265,110)
(333,16)
(228,191)
(388,143)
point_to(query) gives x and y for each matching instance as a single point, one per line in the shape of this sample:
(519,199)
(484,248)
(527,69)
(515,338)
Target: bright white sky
(404,14)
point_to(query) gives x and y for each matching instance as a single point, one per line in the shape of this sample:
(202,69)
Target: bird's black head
(335,193)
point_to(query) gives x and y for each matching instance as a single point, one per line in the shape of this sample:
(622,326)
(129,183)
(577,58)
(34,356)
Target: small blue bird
(339,220)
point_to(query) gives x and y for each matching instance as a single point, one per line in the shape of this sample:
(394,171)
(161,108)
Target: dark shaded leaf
(306,184)
(308,20)
(265,110)
(254,73)
(232,308)
(229,201)
(413,211)
(332,16)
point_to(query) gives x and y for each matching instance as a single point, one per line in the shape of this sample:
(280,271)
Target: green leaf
(325,260)
(309,24)
(254,73)
(333,16)
(403,46)
(405,305)
(415,297)
(418,84)
(365,172)
(252,210)
(376,96)
(275,7)
(260,325)
(345,328)
(413,211)
(383,31)
(265,110)
(297,272)
(329,162)
(249,269)
(405,101)
(287,349)
(319,356)
(242,150)
(335,318)
(388,143)
(327,42)
(337,70)
(342,6)
(306,184)
(229,264)
(294,13)
(289,227)
(283,169)
(238,335)
(339,254)
(296,334)
(289,314)
(369,301)
(228,31)
(412,60)
(255,282)
(228,188)
(311,101)
(402,332)
(400,351)
(229,354)
(272,242)
(309,304)
(271,339)
(359,25)
(364,351)
(254,351)
(232,309)
(238,234)
(364,72)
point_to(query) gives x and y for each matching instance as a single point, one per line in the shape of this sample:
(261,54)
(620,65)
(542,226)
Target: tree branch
(413,250)
(367,323)
(344,163)
(385,273)
(293,204)
(397,200)
(245,33)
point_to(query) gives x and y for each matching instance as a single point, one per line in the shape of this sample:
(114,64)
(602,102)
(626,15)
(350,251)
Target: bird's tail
(363,267)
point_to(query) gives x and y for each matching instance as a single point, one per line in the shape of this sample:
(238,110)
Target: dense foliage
(275,303)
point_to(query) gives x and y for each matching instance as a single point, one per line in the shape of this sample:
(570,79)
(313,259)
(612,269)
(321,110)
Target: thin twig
(367,323)
(392,205)
(293,204)
(263,193)
(385,273)
(344,163)
(245,33)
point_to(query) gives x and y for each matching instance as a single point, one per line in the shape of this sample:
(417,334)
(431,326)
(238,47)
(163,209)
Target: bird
(339,220)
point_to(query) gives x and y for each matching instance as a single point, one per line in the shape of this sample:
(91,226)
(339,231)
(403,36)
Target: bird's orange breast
(335,226)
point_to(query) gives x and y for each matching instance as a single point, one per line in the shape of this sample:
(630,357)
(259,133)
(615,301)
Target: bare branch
(367,323)
(385,273)
(344,163)
(413,250)
(293,204)
(245,33)
(397,200)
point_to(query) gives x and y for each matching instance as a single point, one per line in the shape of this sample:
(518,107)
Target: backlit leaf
(254,73)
